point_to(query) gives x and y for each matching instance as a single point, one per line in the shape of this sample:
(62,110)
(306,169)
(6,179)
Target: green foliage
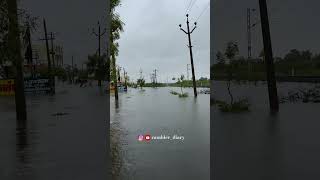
(231,50)
(241,105)
(183,95)
(220,58)
(141,82)
(180,95)
(174,93)
(98,65)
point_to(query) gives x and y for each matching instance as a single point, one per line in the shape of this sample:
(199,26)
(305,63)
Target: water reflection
(158,112)
(24,169)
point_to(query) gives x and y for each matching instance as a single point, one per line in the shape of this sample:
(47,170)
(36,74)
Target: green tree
(116,29)
(220,58)
(141,82)
(231,50)
(98,66)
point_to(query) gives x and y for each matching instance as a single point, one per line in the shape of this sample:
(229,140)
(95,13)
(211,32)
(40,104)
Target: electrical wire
(203,11)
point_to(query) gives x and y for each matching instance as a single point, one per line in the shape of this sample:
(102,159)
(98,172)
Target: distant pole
(155,77)
(191,56)
(272,86)
(99,35)
(52,49)
(14,47)
(249,38)
(29,53)
(249,32)
(72,70)
(48,56)
(187,71)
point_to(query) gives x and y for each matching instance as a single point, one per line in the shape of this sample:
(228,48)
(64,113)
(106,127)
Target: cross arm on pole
(193,29)
(104,31)
(93,32)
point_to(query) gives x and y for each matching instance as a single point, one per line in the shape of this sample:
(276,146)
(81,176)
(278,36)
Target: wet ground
(64,137)
(157,112)
(258,145)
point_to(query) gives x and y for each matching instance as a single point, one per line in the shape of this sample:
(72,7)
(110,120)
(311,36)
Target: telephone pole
(14,47)
(72,70)
(51,78)
(188,71)
(249,32)
(155,76)
(191,56)
(29,53)
(272,86)
(52,49)
(99,35)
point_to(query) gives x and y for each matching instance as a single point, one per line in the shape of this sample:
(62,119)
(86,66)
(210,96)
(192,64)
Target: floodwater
(157,112)
(72,145)
(258,145)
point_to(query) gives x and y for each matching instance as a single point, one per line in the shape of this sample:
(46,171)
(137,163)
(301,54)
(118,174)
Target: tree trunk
(230,94)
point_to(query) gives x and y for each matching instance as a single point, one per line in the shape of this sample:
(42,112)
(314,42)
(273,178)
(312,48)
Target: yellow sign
(6,87)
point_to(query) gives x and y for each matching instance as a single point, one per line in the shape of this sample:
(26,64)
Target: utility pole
(99,35)
(51,78)
(191,56)
(28,53)
(249,32)
(249,27)
(272,86)
(72,70)
(52,49)
(14,47)
(187,71)
(155,77)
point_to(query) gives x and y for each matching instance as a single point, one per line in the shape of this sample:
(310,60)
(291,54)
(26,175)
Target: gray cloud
(152,38)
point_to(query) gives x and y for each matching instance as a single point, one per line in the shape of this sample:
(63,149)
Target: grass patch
(241,105)
(181,95)
(174,93)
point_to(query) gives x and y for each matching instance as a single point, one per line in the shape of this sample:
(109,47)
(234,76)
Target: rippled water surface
(157,112)
(64,137)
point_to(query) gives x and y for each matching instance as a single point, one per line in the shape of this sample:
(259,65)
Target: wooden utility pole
(14,48)
(99,35)
(51,78)
(72,69)
(29,53)
(188,32)
(272,86)
(52,49)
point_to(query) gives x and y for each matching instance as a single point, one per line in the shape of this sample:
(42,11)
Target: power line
(192,5)
(203,11)
(188,6)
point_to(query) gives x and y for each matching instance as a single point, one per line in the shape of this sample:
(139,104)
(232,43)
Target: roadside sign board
(6,87)
(30,86)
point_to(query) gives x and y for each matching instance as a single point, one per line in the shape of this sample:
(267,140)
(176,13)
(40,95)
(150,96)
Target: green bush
(183,95)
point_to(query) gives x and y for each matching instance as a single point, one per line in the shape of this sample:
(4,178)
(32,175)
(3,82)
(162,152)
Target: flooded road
(257,145)
(157,112)
(64,137)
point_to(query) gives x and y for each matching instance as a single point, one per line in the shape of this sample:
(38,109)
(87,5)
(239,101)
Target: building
(40,59)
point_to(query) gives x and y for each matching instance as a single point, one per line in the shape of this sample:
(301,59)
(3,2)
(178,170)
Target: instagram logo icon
(140,138)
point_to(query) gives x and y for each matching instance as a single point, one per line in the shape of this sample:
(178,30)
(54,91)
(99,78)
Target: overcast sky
(152,38)
(73,21)
(293,23)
